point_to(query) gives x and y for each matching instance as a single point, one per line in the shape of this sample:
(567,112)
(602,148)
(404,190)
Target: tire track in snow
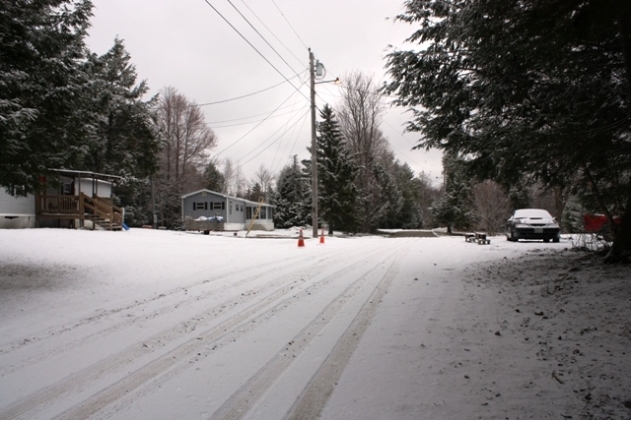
(96,406)
(314,397)
(167,308)
(242,401)
(87,321)
(31,405)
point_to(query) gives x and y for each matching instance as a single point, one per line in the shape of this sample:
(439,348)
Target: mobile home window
(248,212)
(219,205)
(263,214)
(200,205)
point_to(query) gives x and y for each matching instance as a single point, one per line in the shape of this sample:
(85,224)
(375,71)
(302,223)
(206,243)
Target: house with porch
(70,199)
(234,213)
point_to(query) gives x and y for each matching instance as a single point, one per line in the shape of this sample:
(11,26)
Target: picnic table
(477,237)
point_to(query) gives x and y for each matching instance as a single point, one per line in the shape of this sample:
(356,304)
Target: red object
(322,236)
(301,240)
(595,223)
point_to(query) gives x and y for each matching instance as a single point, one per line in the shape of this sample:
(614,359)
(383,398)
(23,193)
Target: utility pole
(314,153)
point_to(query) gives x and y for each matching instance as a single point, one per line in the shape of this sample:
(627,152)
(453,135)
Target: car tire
(546,240)
(513,237)
(556,239)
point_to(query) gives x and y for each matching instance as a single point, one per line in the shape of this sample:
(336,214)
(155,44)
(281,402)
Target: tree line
(513,115)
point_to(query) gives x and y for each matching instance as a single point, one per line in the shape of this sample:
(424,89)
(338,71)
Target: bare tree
(235,182)
(264,178)
(229,176)
(187,139)
(359,115)
(186,142)
(492,206)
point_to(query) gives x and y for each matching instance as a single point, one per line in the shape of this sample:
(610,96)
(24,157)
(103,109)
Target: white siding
(16,212)
(16,205)
(93,187)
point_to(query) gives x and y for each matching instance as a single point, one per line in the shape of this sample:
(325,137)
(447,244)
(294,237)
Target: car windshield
(532,213)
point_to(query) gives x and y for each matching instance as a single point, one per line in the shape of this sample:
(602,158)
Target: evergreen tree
(291,190)
(536,90)
(125,139)
(410,215)
(336,176)
(454,208)
(42,53)
(213,178)
(387,213)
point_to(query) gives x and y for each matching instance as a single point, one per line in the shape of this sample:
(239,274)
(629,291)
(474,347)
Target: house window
(200,205)
(248,212)
(66,188)
(18,191)
(263,214)
(219,205)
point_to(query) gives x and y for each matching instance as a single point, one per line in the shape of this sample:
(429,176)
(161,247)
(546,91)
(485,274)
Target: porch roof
(86,174)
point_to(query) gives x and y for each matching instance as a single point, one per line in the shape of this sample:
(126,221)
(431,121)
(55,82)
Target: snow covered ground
(159,324)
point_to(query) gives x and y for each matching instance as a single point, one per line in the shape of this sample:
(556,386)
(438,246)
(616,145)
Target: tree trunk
(622,240)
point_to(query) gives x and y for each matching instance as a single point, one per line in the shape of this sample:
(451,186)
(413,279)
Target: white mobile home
(70,199)
(16,211)
(235,213)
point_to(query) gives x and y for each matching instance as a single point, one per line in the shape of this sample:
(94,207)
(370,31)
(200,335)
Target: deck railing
(82,207)
(59,204)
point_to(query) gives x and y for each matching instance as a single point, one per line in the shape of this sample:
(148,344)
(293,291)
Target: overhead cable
(270,31)
(255,49)
(292,28)
(262,37)
(255,127)
(247,122)
(250,94)
(302,117)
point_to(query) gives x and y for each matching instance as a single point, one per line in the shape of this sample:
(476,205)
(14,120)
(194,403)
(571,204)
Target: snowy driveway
(156,324)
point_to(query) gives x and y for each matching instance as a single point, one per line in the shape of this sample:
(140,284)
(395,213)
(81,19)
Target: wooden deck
(100,211)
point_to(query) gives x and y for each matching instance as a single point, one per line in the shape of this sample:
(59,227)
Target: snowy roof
(86,174)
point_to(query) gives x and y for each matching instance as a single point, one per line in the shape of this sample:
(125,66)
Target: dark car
(532,224)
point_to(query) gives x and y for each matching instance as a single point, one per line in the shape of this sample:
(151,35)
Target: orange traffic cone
(301,240)
(322,236)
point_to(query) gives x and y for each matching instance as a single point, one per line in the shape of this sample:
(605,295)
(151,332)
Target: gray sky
(186,44)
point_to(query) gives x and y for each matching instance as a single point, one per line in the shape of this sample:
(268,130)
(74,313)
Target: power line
(252,45)
(250,94)
(247,122)
(255,127)
(277,139)
(292,28)
(270,31)
(261,35)
(246,118)
(273,166)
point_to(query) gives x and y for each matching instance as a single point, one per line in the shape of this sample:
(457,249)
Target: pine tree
(213,178)
(537,90)
(42,123)
(125,138)
(336,176)
(410,215)
(289,197)
(454,208)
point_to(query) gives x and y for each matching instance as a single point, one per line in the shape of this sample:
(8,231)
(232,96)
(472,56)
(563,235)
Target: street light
(315,69)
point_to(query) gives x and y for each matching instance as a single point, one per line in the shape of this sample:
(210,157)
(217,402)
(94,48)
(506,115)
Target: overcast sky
(202,49)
